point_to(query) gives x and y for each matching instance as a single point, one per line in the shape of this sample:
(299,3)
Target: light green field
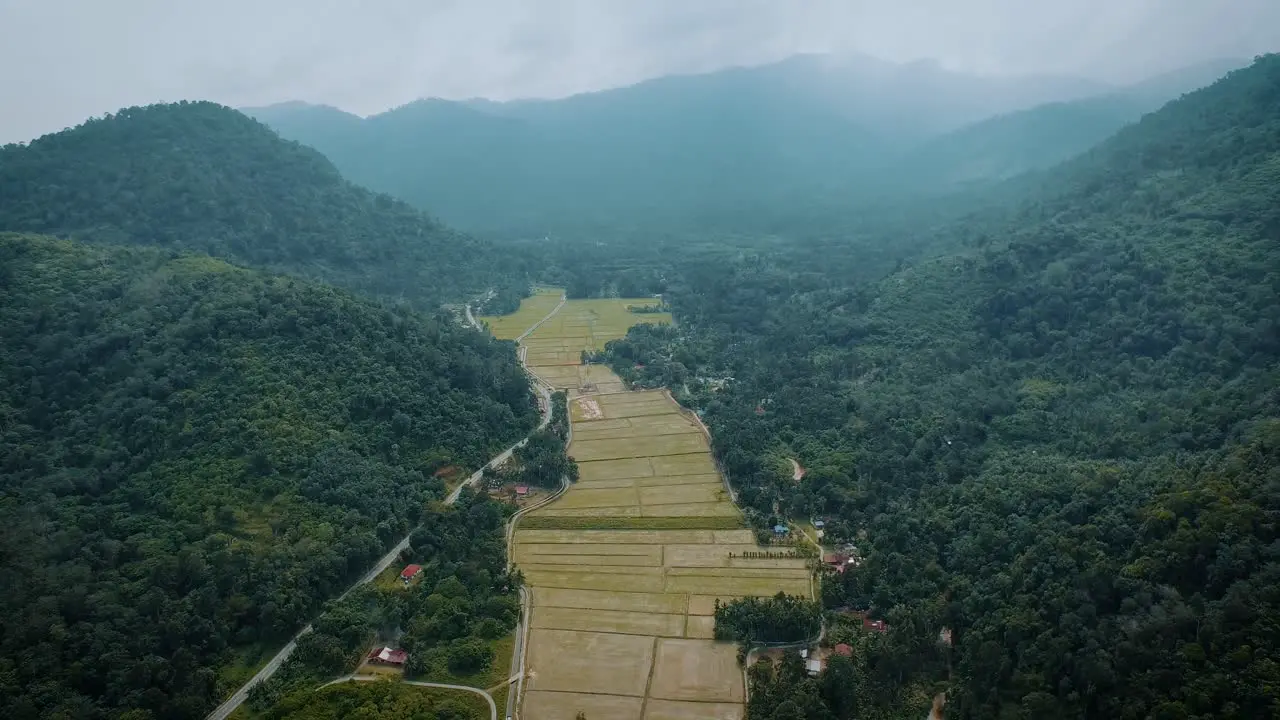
(532,309)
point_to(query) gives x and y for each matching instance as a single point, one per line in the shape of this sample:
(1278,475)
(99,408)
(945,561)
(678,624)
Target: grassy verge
(247,661)
(539,522)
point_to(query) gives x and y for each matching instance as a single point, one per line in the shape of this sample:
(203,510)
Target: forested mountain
(194,456)
(1038,138)
(1060,439)
(737,149)
(205,178)
(668,149)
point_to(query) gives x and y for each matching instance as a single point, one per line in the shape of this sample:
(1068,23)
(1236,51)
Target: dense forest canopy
(204,178)
(1058,438)
(196,456)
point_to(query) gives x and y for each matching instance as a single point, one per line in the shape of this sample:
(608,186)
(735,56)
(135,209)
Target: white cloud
(63,60)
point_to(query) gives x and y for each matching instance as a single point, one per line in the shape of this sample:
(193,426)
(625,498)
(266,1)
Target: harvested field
(614,469)
(591,599)
(544,705)
(547,522)
(700,626)
(640,447)
(589,662)
(613,621)
(693,479)
(624,568)
(677,710)
(707,510)
(697,670)
(624,511)
(532,309)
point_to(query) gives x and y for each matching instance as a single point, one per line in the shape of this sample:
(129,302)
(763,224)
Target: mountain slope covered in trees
(1058,439)
(195,456)
(734,149)
(205,178)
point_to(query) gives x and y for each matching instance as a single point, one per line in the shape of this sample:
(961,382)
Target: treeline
(194,457)
(384,700)
(1020,432)
(446,617)
(779,619)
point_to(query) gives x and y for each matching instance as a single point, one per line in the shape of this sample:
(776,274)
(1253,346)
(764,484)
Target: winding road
(493,707)
(239,696)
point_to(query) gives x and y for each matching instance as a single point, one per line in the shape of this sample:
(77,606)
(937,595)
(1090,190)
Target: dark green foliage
(542,462)
(196,456)
(780,619)
(384,700)
(462,599)
(1058,438)
(204,178)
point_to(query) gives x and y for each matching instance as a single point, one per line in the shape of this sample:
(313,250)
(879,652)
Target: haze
(65,60)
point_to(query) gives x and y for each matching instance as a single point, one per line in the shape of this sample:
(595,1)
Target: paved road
(493,707)
(237,699)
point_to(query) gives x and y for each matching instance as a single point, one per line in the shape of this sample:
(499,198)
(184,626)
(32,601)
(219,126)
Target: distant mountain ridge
(718,147)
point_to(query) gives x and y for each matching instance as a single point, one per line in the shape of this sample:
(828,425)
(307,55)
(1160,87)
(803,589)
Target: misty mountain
(1007,145)
(205,178)
(696,146)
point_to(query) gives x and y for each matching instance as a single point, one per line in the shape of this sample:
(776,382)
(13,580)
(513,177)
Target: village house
(409,573)
(388,656)
(522,492)
(838,561)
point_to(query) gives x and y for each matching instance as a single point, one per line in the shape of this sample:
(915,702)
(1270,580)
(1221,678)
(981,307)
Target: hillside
(1038,138)
(204,178)
(194,456)
(1058,438)
(672,150)
(810,139)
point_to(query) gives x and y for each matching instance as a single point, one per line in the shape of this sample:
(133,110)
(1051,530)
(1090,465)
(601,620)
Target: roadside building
(394,657)
(409,573)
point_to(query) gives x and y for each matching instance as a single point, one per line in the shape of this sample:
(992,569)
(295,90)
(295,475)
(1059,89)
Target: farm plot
(532,309)
(624,568)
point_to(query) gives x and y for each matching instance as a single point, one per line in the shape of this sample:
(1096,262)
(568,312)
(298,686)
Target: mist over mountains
(814,131)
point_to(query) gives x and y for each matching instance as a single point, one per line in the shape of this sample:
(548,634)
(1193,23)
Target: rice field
(625,567)
(532,309)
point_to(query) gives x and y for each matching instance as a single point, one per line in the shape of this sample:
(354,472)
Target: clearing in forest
(532,309)
(624,569)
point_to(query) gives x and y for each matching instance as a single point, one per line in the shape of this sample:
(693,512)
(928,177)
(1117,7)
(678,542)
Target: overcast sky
(64,60)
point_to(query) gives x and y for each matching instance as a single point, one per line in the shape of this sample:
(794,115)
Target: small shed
(781,530)
(813,666)
(388,656)
(819,524)
(410,572)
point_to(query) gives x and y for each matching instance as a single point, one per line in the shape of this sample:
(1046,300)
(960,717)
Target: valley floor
(625,567)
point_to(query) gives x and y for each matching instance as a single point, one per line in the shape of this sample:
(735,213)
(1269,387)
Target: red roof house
(410,572)
(844,649)
(387,656)
(522,490)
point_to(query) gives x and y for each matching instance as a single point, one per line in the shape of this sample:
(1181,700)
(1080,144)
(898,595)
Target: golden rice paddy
(625,567)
